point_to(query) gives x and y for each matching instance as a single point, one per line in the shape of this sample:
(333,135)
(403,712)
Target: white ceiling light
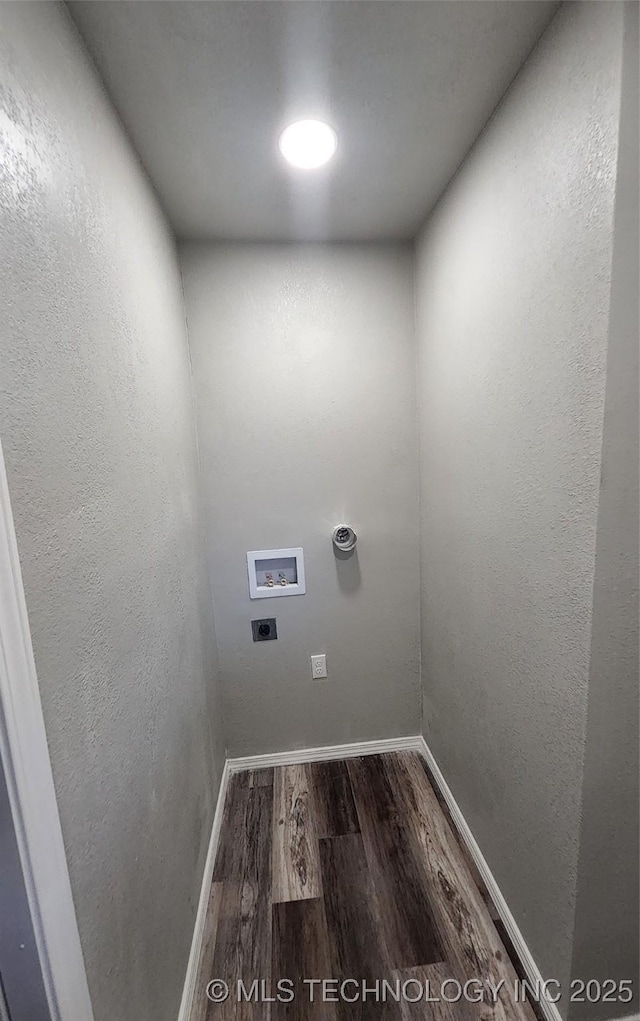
(308,144)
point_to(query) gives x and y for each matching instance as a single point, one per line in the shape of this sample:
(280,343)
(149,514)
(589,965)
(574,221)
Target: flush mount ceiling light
(308,144)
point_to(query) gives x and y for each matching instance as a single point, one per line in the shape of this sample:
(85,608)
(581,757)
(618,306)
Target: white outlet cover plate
(318,666)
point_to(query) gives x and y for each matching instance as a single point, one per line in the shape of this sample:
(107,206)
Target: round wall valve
(344,538)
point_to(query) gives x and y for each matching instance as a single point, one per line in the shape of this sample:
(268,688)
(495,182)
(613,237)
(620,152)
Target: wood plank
(325,772)
(243,944)
(261,777)
(228,858)
(428,977)
(301,951)
(254,777)
(398,877)
(256,883)
(518,967)
(296,862)
(335,808)
(471,865)
(354,925)
(468,934)
(205,961)
(440,984)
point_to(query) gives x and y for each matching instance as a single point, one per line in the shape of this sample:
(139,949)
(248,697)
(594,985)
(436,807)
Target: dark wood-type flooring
(348,870)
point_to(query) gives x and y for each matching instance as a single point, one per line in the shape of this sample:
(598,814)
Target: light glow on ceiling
(308,144)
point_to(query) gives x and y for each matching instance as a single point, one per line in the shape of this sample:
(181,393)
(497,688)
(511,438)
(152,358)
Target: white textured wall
(304,364)
(606,940)
(98,433)
(513,280)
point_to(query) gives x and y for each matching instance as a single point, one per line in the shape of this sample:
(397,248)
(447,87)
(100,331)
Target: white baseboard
(191,977)
(532,971)
(334,751)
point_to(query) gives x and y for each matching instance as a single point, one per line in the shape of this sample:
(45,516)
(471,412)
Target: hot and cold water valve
(276,572)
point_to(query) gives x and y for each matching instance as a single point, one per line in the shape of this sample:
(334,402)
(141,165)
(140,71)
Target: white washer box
(276,572)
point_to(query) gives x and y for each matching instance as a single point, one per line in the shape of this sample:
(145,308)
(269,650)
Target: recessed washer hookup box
(276,572)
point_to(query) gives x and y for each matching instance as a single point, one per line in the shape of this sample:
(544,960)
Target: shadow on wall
(348,570)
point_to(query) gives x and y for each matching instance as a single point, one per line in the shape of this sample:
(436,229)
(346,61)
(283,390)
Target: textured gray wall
(513,281)
(606,928)
(304,363)
(98,433)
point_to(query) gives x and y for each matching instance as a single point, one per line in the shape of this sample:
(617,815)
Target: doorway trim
(27,767)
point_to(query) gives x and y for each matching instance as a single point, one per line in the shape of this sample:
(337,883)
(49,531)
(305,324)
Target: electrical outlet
(264,630)
(318,667)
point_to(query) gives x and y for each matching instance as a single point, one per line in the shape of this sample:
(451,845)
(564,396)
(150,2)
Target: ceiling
(204,89)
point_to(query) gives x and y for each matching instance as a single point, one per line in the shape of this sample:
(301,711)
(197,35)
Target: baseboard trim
(191,977)
(531,969)
(335,751)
